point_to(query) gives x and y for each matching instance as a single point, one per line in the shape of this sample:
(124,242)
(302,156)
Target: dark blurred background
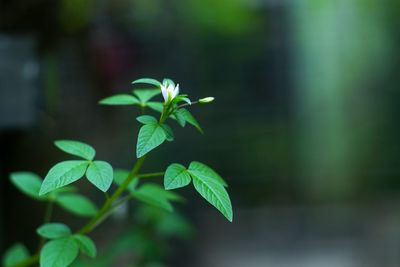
(304,127)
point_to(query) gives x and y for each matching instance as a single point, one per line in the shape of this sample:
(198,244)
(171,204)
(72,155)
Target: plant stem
(163,116)
(150,175)
(32,260)
(47,217)
(108,204)
(113,208)
(186,104)
(49,212)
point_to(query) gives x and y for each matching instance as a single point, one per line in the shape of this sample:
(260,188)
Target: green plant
(59,245)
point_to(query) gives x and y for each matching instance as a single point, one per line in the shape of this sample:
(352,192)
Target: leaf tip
(168,187)
(42,192)
(230,218)
(57,142)
(200,129)
(12,177)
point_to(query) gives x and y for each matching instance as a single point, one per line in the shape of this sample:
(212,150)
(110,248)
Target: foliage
(60,246)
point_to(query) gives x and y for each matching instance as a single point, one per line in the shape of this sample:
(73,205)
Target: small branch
(187,104)
(112,209)
(49,212)
(108,204)
(124,200)
(47,217)
(150,175)
(33,259)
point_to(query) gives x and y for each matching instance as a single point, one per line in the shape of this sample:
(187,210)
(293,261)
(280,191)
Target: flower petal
(164,92)
(176,91)
(169,92)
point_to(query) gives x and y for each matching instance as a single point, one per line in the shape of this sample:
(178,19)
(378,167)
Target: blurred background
(304,127)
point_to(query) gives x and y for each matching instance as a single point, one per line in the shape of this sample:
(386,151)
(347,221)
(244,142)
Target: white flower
(169,91)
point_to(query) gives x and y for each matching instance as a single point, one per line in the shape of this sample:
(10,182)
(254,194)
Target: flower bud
(206,100)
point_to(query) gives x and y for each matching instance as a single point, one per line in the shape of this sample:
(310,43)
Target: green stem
(113,208)
(47,217)
(49,212)
(150,175)
(124,200)
(186,104)
(32,260)
(108,204)
(163,116)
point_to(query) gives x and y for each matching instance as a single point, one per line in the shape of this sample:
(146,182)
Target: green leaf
(203,170)
(15,254)
(76,148)
(189,118)
(146,119)
(100,174)
(157,106)
(176,176)
(172,196)
(86,245)
(62,174)
(147,81)
(154,195)
(53,230)
(182,98)
(121,175)
(214,193)
(59,252)
(77,204)
(173,224)
(28,183)
(179,117)
(146,94)
(65,189)
(187,100)
(150,137)
(121,99)
(169,134)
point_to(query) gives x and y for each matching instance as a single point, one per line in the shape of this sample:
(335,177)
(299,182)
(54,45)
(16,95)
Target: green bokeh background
(306,111)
